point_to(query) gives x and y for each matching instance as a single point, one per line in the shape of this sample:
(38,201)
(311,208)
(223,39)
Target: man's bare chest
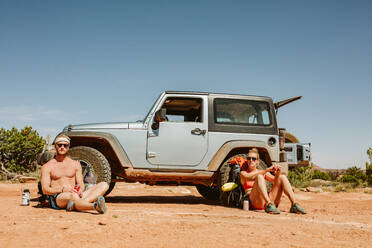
(61,171)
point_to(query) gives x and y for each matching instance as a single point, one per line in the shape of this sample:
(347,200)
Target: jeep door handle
(198,131)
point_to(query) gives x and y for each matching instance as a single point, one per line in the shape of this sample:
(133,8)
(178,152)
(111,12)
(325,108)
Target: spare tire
(94,161)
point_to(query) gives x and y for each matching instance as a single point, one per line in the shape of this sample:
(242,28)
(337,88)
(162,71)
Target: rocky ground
(153,216)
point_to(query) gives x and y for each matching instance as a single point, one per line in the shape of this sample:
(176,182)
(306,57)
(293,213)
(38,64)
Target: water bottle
(246,205)
(26,197)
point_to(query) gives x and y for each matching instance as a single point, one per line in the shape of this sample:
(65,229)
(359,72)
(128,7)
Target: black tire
(211,193)
(224,177)
(94,161)
(111,187)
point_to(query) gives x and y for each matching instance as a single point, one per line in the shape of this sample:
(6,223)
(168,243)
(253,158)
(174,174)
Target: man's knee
(74,197)
(68,196)
(103,186)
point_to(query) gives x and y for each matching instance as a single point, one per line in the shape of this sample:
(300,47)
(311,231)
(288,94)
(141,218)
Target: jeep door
(179,134)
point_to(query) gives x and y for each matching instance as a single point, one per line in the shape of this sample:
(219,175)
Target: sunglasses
(251,158)
(64,145)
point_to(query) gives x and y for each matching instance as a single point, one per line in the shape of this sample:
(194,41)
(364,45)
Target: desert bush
(335,174)
(350,179)
(320,175)
(344,187)
(300,176)
(356,172)
(369,173)
(19,149)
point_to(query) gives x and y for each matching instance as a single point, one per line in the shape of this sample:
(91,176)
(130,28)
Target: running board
(152,177)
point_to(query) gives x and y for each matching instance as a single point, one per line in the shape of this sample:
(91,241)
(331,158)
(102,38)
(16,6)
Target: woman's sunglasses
(64,145)
(251,158)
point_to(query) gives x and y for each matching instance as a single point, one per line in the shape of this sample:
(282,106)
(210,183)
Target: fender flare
(110,139)
(226,148)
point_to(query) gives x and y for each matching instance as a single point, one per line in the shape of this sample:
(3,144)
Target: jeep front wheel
(211,193)
(93,161)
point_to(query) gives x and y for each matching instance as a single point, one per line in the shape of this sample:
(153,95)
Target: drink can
(246,205)
(26,197)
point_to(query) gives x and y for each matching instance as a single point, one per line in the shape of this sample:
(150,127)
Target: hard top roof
(209,93)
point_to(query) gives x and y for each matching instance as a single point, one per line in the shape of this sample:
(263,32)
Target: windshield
(153,105)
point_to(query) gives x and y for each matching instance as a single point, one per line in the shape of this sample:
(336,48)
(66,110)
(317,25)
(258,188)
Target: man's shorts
(53,201)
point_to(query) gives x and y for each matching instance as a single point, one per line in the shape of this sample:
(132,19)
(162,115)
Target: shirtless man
(62,181)
(253,181)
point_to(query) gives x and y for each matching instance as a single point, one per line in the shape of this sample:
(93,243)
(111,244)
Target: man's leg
(92,193)
(79,203)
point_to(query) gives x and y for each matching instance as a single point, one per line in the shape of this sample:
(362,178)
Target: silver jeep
(187,138)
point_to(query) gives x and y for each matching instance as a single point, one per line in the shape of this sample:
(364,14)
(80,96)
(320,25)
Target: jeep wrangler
(187,138)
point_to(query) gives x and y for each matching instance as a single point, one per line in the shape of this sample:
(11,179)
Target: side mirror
(160,116)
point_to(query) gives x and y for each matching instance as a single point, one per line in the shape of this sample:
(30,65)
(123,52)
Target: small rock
(101,223)
(314,189)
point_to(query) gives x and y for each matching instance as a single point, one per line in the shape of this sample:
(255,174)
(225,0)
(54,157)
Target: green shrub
(350,179)
(335,174)
(356,172)
(369,173)
(19,149)
(320,175)
(300,176)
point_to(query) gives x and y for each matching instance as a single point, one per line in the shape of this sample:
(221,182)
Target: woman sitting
(253,181)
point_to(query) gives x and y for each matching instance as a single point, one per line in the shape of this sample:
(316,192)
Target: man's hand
(68,188)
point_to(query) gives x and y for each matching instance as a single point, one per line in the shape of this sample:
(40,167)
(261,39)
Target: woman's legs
(259,196)
(281,185)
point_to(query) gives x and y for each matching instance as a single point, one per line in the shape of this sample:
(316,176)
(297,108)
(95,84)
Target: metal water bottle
(26,197)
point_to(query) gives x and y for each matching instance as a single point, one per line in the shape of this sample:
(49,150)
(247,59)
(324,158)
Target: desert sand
(160,216)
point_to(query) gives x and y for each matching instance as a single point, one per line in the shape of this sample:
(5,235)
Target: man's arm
(79,178)
(45,182)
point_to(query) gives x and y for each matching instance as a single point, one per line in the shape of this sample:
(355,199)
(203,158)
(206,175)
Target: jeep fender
(228,147)
(101,141)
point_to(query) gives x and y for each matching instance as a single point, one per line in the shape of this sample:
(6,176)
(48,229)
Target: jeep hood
(108,125)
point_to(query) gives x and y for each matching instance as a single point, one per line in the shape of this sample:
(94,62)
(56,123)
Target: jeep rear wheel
(211,193)
(94,161)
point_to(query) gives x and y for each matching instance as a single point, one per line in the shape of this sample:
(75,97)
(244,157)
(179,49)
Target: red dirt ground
(153,216)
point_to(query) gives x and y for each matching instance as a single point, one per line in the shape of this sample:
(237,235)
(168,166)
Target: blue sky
(65,62)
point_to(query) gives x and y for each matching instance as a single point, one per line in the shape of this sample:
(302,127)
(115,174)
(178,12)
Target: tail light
(281,138)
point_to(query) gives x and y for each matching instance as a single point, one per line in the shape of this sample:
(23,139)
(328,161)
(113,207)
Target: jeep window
(241,112)
(183,109)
